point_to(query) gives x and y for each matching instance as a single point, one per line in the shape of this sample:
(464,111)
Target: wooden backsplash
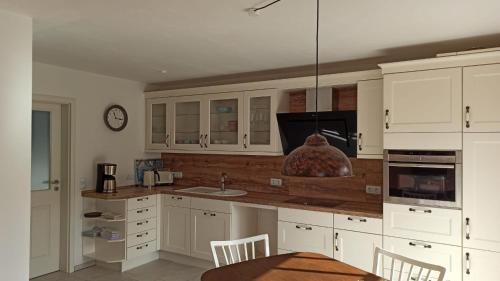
(253,173)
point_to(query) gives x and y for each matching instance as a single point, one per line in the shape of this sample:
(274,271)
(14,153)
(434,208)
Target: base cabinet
(207,226)
(480,265)
(443,255)
(176,226)
(356,248)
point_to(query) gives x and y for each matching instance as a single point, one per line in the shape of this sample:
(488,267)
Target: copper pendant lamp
(317,158)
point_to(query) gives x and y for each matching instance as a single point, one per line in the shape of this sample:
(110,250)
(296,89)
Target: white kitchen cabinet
(370,119)
(480,265)
(225,121)
(450,257)
(176,225)
(260,123)
(356,248)
(437,225)
(423,101)
(481,189)
(302,237)
(208,226)
(189,123)
(481,98)
(158,123)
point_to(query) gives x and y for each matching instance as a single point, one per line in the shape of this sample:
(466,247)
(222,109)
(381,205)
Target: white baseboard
(187,260)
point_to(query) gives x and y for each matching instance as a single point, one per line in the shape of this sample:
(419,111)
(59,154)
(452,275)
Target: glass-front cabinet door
(261,132)
(187,128)
(158,124)
(225,124)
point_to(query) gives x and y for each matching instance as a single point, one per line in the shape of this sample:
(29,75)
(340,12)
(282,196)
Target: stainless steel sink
(213,191)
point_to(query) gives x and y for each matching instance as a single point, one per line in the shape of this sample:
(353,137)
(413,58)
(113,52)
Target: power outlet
(177,175)
(373,189)
(276,182)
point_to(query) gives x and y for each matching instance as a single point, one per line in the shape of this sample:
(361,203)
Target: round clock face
(116,118)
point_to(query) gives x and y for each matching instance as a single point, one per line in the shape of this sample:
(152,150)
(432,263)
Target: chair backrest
(233,250)
(404,269)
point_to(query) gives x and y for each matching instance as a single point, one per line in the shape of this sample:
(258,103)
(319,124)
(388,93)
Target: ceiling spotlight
(163,71)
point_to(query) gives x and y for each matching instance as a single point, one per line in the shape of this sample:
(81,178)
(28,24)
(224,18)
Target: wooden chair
(235,247)
(405,269)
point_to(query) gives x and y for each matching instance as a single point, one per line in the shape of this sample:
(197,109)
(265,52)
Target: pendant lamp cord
(317,62)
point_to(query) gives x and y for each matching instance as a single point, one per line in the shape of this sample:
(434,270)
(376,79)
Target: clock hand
(114,114)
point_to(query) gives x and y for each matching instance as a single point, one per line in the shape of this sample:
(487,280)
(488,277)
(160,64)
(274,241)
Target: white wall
(15,145)
(94,142)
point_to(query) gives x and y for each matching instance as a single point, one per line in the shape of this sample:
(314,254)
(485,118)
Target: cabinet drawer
(141,225)
(423,223)
(141,237)
(480,265)
(444,255)
(176,201)
(356,223)
(141,214)
(141,249)
(305,238)
(306,217)
(141,202)
(211,205)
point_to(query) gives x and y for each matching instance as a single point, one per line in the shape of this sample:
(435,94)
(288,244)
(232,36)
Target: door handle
(206,140)
(387,119)
(167,140)
(201,140)
(467,116)
(467,263)
(360,141)
(55,182)
(336,241)
(245,141)
(467,228)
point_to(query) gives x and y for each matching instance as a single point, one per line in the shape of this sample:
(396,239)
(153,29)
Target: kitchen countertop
(373,210)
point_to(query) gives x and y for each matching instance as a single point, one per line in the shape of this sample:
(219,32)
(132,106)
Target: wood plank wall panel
(253,173)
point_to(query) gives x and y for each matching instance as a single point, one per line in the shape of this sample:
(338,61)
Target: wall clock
(116,118)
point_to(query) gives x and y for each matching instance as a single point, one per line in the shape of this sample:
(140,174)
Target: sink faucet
(223,178)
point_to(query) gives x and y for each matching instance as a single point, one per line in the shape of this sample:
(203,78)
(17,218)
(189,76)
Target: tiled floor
(159,270)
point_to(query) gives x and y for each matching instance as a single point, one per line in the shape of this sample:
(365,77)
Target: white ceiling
(135,39)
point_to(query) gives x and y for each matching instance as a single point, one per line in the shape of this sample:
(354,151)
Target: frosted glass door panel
(187,122)
(224,121)
(40,150)
(260,120)
(159,123)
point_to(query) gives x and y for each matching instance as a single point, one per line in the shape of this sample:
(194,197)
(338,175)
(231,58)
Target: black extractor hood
(338,127)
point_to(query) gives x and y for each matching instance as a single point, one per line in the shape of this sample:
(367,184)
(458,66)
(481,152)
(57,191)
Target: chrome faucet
(223,178)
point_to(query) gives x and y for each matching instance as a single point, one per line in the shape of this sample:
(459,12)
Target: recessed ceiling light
(163,71)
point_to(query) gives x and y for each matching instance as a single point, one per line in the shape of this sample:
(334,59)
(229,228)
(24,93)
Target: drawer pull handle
(209,214)
(467,228)
(426,246)
(142,199)
(179,198)
(140,247)
(467,263)
(358,219)
(143,210)
(420,211)
(303,227)
(336,241)
(142,234)
(141,223)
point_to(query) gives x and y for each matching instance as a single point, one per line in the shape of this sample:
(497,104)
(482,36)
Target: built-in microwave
(427,178)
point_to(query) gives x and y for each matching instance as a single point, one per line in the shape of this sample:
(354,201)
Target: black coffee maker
(106,182)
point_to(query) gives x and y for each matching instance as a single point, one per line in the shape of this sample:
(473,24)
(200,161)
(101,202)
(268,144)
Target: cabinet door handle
(467,116)
(303,227)
(245,141)
(415,244)
(206,140)
(467,228)
(360,141)
(336,241)
(179,198)
(467,263)
(358,219)
(167,142)
(201,140)
(387,119)
(420,211)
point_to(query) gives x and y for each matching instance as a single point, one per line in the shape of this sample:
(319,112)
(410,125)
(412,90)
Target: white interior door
(45,195)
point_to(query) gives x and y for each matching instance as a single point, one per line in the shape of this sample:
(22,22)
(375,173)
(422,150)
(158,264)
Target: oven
(427,178)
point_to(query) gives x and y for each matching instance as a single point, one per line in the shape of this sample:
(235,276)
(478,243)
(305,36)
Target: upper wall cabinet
(481,98)
(158,122)
(423,101)
(370,105)
(225,122)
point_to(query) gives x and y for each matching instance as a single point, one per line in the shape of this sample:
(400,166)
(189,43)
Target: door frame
(68,182)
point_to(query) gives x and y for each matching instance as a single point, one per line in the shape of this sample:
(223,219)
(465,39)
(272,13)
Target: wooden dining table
(290,267)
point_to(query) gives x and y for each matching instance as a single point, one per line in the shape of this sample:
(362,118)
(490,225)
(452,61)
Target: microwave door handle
(414,165)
